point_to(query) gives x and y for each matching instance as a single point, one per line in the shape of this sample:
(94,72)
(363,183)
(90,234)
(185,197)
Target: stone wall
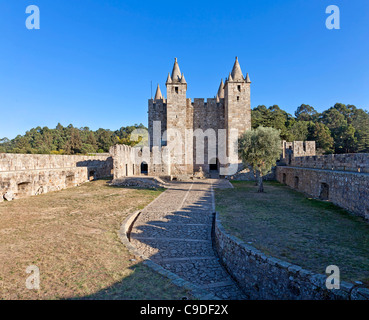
(291,150)
(263,277)
(247,174)
(229,110)
(342,179)
(348,190)
(135,161)
(355,162)
(23,175)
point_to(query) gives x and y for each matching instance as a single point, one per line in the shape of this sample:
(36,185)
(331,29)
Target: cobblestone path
(174,231)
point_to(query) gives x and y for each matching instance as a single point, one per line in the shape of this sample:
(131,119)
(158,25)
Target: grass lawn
(71,235)
(286,224)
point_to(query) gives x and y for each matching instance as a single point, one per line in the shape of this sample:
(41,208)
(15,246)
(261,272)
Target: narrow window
(324,191)
(239,88)
(297,180)
(176,89)
(238,98)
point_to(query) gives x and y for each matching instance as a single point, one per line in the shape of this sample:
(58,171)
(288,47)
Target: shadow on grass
(142,284)
(294,227)
(179,241)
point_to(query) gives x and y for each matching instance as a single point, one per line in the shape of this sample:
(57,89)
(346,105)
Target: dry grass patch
(286,224)
(71,235)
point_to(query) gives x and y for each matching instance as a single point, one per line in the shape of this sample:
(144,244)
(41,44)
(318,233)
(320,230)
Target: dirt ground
(71,236)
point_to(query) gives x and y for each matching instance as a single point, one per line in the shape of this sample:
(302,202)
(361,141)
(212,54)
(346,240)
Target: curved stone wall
(266,278)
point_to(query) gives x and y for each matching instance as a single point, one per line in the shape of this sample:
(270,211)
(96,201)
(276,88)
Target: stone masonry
(342,179)
(23,175)
(263,277)
(174,231)
(229,110)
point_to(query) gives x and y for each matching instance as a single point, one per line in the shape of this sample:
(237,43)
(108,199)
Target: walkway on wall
(174,231)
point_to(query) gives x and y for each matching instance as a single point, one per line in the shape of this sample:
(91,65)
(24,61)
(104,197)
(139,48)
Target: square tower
(177,118)
(237,105)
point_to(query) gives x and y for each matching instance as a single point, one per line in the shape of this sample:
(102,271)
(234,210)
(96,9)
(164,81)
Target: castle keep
(177,115)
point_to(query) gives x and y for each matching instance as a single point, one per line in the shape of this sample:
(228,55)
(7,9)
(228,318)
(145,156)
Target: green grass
(286,224)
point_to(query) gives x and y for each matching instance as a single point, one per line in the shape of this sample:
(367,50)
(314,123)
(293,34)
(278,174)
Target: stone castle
(229,110)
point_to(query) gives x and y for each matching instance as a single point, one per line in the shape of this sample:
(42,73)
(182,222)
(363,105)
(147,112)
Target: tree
(260,148)
(321,134)
(305,113)
(345,141)
(300,131)
(360,121)
(74,144)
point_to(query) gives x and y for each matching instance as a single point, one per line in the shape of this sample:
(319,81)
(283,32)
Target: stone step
(181,217)
(231,292)
(188,231)
(200,272)
(162,249)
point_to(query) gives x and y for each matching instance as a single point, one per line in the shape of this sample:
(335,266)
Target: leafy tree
(67,140)
(345,140)
(305,113)
(333,119)
(260,148)
(348,111)
(300,131)
(360,121)
(74,144)
(321,134)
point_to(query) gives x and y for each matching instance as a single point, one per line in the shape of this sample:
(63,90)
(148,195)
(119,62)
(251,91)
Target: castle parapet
(354,162)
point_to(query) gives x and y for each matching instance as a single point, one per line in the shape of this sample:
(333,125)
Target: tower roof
(247,78)
(236,71)
(183,80)
(169,79)
(158,94)
(220,94)
(176,73)
(230,78)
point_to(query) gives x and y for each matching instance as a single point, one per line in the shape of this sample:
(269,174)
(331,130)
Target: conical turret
(236,71)
(220,94)
(247,78)
(176,73)
(158,94)
(183,80)
(169,79)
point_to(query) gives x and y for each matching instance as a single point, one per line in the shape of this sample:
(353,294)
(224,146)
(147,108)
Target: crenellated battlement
(229,109)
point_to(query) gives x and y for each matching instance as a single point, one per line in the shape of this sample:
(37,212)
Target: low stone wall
(354,162)
(248,175)
(348,190)
(23,175)
(136,161)
(266,278)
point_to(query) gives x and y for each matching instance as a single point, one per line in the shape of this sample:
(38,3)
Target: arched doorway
(297,181)
(324,191)
(214,164)
(91,176)
(144,168)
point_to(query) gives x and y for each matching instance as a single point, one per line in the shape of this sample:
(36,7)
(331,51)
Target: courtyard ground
(286,224)
(71,236)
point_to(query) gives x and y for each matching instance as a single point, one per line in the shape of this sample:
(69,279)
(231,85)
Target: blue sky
(92,61)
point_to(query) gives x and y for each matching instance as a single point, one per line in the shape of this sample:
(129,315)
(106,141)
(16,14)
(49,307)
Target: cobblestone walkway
(175,232)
